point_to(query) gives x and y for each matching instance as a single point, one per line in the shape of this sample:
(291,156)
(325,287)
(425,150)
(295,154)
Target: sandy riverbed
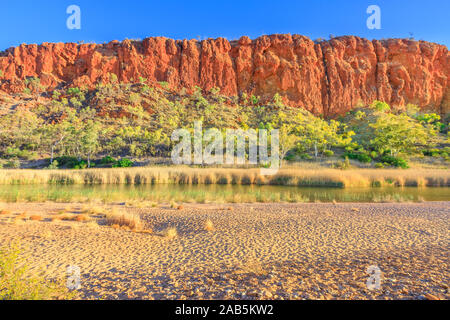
(257,251)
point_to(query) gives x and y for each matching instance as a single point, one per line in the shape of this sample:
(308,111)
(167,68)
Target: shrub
(107,160)
(343,165)
(431,152)
(306,156)
(379,165)
(54,165)
(73,91)
(364,158)
(255,99)
(71,163)
(17,153)
(328,153)
(361,157)
(164,84)
(380,106)
(81,165)
(65,161)
(15,285)
(135,98)
(290,157)
(12,164)
(123,163)
(397,162)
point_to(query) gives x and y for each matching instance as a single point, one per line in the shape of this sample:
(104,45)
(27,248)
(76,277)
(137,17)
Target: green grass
(16,284)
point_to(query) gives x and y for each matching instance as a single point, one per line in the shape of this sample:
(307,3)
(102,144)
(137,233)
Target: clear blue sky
(31,21)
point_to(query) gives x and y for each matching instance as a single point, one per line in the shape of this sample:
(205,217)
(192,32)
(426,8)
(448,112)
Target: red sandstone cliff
(329,77)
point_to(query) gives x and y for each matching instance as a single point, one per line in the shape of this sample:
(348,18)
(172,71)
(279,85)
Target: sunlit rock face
(326,77)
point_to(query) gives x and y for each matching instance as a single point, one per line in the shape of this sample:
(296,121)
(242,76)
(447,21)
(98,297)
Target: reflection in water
(216,193)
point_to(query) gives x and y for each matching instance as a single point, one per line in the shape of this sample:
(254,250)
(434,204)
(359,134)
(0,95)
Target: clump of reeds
(295,176)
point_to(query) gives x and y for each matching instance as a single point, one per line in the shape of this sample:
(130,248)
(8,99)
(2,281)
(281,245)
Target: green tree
(20,130)
(317,134)
(89,139)
(398,134)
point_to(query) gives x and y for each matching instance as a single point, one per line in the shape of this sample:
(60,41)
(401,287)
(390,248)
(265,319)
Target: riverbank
(245,176)
(246,251)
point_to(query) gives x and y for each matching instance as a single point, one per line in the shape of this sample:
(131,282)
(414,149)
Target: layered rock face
(327,77)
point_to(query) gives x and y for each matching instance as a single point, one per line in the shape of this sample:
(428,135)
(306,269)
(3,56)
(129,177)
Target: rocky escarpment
(326,77)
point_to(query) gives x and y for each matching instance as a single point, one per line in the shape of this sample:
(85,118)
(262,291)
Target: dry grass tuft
(147,231)
(81,218)
(139,204)
(92,224)
(209,226)
(96,210)
(57,218)
(170,233)
(253,266)
(18,220)
(124,219)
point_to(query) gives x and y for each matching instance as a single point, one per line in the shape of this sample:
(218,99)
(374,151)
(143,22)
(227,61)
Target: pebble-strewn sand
(258,251)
